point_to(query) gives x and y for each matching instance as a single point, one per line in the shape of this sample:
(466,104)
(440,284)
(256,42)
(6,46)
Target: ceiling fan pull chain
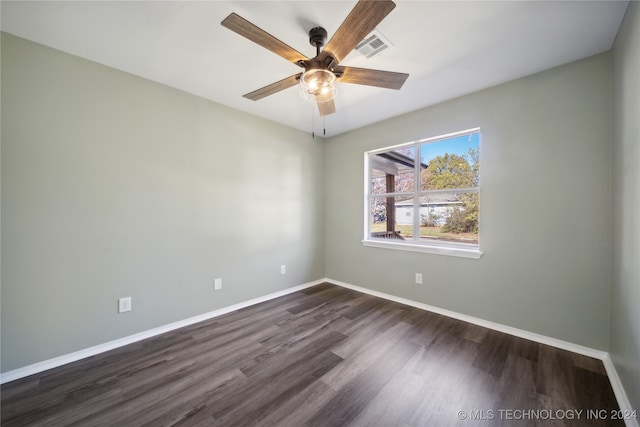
(324,125)
(313,123)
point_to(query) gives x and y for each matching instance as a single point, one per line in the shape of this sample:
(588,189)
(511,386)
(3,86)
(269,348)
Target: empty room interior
(320,213)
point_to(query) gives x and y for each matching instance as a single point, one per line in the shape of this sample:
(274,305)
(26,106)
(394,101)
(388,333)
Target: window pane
(451,163)
(449,217)
(392,171)
(391,217)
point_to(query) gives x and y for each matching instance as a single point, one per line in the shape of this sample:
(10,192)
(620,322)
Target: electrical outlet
(124,305)
(217,284)
(419,278)
(283,269)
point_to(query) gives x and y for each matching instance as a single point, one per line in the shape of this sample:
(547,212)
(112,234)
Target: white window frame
(458,249)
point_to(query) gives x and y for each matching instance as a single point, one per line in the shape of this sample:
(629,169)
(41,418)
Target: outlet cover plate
(124,305)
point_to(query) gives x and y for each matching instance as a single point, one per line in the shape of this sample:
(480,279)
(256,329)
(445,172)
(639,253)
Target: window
(424,196)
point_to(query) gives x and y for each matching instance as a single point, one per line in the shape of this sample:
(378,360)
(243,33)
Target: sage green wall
(625,284)
(115,186)
(544,206)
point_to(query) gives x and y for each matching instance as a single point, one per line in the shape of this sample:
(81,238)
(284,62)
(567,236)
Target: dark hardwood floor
(325,356)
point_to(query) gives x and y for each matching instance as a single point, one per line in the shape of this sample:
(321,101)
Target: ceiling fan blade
(257,35)
(365,76)
(362,19)
(273,87)
(325,106)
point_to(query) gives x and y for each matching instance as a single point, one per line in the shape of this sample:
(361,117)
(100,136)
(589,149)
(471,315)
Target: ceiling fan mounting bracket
(317,37)
(330,62)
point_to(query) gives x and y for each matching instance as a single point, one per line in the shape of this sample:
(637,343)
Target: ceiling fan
(321,72)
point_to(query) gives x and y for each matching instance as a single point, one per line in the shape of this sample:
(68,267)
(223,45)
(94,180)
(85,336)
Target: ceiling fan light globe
(318,83)
(325,95)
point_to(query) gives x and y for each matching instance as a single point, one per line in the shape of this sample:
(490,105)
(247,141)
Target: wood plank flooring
(325,356)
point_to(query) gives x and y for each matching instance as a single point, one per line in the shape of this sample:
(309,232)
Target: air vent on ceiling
(373,44)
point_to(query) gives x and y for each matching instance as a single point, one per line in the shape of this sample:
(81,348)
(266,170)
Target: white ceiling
(449,48)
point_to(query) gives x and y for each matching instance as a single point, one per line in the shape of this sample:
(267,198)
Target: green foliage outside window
(452,171)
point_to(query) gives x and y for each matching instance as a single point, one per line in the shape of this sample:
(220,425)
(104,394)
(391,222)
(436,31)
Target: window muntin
(429,201)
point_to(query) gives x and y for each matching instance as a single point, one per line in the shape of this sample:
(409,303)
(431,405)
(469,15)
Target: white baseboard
(101,348)
(618,390)
(616,384)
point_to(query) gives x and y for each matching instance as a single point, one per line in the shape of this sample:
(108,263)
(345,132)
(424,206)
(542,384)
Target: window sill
(429,249)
